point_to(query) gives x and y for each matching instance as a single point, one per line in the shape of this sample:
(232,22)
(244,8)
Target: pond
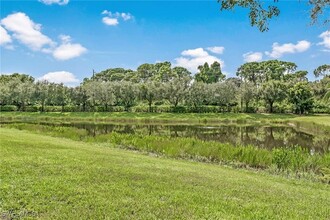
(263,136)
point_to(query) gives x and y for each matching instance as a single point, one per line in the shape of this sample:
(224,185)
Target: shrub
(8,108)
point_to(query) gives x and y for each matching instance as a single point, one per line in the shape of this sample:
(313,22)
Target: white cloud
(192,58)
(26,31)
(60,77)
(198,52)
(112,19)
(65,38)
(68,51)
(279,50)
(326,39)
(59,2)
(4,37)
(126,16)
(252,57)
(29,33)
(217,50)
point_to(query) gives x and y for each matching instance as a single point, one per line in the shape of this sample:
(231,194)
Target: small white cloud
(326,39)
(50,2)
(217,50)
(192,58)
(252,57)
(198,52)
(126,16)
(105,12)
(68,51)
(65,38)
(5,38)
(110,21)
(26,31)
(279,50)
(60,77)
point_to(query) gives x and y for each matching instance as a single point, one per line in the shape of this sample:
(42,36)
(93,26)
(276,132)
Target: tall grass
(293,160)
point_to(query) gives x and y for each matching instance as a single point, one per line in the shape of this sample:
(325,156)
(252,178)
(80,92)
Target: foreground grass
(291,161)
(56,178)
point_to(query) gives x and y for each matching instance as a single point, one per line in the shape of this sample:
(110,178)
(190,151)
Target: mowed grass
(56,178)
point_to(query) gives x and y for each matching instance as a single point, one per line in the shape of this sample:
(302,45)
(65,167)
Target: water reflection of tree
(262,136)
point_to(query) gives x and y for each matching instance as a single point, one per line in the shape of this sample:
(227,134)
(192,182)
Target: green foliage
(323,70)
(260,13)
(209,74)
(295,159)
(302,98)
(261,87)
(8,108)
(271,92)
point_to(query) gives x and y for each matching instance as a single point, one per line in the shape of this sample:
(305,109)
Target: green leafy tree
(199,93)
(62,96)
(146,72)
(41,93)
(302,98)
(225,94)
(175,90)
(209,74)
(180,72)
(248,93)
(126,93)
(272,91)
(323,70)
(260,14)
(150,91)
(260,72)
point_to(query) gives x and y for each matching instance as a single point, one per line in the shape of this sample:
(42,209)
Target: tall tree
(301,96)
(149,91)
(323,70)
(175,90)
(199,94)
(41,93)
(209,74)
(272,91)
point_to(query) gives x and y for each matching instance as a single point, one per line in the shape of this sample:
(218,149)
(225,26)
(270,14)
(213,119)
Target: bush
(8,108)
(32,108)
(53,108)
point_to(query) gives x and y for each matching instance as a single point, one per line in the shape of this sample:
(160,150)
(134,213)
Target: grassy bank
(290,161)
(56,178)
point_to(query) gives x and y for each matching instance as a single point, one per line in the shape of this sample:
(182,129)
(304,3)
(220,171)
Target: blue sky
(64,40)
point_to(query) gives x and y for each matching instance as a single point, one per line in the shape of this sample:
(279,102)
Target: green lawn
(57,178)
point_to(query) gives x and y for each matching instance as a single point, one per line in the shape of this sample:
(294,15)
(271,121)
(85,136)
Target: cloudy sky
(64,40)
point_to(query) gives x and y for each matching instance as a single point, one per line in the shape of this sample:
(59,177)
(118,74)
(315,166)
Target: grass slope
(56,178)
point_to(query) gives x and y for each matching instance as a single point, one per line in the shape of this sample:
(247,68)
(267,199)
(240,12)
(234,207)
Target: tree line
(268,86)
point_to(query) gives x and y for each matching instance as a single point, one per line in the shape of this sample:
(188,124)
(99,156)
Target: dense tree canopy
(268,86)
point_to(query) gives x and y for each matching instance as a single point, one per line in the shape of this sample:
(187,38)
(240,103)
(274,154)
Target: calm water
(262,136)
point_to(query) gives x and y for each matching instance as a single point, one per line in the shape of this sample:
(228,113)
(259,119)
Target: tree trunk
(271,107)
(42,106)
(150,103)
